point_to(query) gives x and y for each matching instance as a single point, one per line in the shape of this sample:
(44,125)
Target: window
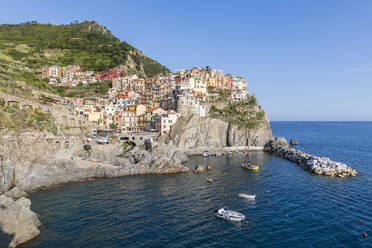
(170,121)
(164,126)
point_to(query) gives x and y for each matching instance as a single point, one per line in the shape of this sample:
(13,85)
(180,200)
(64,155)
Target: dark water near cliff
(171,210)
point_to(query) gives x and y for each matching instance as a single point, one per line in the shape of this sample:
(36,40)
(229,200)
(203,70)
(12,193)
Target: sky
(304,60)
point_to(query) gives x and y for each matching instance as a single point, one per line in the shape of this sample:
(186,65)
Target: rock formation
(32,160)
(293,142)
(194,131)
(318,165)
(18,220)
(202,168)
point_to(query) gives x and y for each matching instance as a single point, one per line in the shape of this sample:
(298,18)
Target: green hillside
(87,44)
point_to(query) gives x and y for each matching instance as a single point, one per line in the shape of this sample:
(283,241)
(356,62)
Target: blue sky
(305,60)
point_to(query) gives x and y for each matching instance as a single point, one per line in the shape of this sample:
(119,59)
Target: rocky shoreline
(318,165)
(30,161)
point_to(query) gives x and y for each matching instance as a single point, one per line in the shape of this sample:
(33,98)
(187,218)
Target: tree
(210,89)
(113,126)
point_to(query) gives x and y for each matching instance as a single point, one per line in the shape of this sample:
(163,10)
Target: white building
(201,85)
(215,72)
(123,101)
(188,104)
(239,94)
(109,114)
(165,122)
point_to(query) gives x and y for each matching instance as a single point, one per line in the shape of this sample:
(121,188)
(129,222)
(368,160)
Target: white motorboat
(102,141)
(228,214)
(246,196)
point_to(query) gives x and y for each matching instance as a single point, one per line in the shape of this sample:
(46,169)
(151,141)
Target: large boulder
(17,220)
(15,193)
(275,144)
(293,142)
(199,168)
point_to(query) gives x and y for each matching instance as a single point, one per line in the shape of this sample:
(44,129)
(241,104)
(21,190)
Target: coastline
(33,161)
(58,165)
(18,207)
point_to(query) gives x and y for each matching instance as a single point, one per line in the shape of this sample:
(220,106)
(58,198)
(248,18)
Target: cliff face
(194,131)
(31,160)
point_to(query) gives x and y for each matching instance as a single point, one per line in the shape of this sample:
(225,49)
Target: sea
(292,208)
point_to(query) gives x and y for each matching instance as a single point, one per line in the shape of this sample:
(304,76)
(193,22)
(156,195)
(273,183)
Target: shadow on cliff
(5,239)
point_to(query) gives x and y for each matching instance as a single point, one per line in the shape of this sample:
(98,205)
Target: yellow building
(212,82)
(139,86)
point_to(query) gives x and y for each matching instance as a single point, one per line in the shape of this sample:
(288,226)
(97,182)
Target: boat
(249,165)
(247,196)
(102,141)
(228,214)
(205,154)
(209,180)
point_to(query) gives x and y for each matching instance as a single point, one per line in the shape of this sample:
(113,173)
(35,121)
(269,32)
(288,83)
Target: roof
(151,109)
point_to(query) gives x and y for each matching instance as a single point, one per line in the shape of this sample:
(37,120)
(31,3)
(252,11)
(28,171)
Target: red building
(109,74)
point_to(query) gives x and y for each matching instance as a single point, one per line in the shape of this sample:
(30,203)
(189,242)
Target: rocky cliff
(32,160)
(194,131)
(227,123)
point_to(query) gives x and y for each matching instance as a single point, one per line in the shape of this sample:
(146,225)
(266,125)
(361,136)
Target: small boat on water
(228,214)
(205,154)
(209,180)
(250,166)
(246,196)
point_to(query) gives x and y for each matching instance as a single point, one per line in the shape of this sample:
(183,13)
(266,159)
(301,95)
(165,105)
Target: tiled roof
(151,109)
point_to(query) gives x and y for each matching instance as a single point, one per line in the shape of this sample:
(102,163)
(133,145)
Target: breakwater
(318,165)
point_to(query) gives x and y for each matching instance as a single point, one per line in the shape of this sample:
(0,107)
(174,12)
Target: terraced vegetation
(246,114)
(87,44)
(13,117)
(25,48)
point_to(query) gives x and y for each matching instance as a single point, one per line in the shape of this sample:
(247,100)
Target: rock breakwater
(318,165)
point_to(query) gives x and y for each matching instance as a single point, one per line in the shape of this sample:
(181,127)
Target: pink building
(118,118)
(109,74)
(77,101)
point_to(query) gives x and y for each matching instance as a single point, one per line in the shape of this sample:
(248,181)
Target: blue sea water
(177,210)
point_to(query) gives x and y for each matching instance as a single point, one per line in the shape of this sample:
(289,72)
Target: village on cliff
(154,104)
